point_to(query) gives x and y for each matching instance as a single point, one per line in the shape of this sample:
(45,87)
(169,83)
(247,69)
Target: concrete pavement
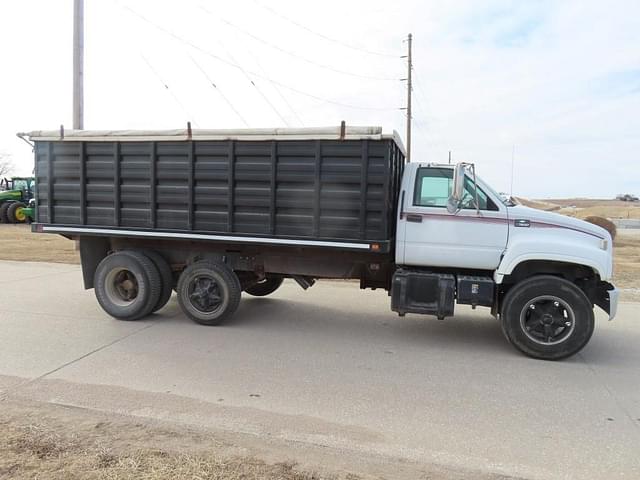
(333,367)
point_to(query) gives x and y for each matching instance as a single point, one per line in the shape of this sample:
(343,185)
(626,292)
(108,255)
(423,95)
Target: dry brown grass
(54,452)
(627,263)
(18,243)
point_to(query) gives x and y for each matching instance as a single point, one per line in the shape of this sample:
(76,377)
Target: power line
(166,86)
(420,106)
(255,74)
(253,84)
(219,91)
(260,92)
(323,36)
(277,89)
(295,55)
(418,83)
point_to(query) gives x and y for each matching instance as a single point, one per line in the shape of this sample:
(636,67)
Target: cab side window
(434,186)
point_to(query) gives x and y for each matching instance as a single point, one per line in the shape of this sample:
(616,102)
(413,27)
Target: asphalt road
(333,368)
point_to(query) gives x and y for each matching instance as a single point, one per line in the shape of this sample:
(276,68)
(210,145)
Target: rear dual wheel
(131,284)
(166,277)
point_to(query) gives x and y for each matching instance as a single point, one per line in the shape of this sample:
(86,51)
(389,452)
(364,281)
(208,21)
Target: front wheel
(547,317)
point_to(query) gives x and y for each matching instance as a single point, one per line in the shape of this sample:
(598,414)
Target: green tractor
(17,204)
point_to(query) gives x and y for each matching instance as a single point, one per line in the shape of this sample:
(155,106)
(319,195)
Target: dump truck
(215,213)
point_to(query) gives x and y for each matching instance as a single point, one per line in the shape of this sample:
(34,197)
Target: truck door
(432,236)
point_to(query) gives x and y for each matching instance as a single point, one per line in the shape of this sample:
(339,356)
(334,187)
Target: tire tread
(166,277)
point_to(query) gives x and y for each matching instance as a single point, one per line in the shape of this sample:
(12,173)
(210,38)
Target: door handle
(412,217)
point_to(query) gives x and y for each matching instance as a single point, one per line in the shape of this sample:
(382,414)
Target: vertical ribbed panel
(326,189)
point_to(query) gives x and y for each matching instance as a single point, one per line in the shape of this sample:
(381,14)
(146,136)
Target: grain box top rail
(247,134)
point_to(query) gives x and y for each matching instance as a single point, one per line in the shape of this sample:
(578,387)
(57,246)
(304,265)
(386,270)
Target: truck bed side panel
(342,190)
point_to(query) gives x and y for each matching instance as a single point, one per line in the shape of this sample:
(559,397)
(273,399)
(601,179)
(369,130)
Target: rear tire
(127,285)
(15,213)
(547,317)
(208,292)
(266,286)
(3,212)
(166,277)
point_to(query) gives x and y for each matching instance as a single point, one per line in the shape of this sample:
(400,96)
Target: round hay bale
(605,223)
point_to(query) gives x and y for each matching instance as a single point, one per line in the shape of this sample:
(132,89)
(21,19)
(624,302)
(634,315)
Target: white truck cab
(540,271)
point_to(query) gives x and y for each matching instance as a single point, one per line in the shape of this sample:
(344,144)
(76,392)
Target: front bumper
(614,296)
(606,296)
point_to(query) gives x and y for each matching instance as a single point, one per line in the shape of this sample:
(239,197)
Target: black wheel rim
(547,320)
(204,294)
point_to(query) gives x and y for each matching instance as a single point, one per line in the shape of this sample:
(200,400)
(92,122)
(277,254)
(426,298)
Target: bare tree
(6,165)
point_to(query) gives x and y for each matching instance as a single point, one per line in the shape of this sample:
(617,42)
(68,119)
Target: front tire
(208,292)
(127,285)
(547,317)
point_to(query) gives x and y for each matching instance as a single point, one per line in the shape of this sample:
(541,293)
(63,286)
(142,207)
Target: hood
(555,219)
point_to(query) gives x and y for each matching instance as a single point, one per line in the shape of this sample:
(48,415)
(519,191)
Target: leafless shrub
(6,165)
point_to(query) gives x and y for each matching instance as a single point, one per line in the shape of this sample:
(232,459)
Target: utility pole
(409,88)
(78,64)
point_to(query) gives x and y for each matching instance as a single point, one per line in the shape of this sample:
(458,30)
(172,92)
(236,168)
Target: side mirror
(453,203)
